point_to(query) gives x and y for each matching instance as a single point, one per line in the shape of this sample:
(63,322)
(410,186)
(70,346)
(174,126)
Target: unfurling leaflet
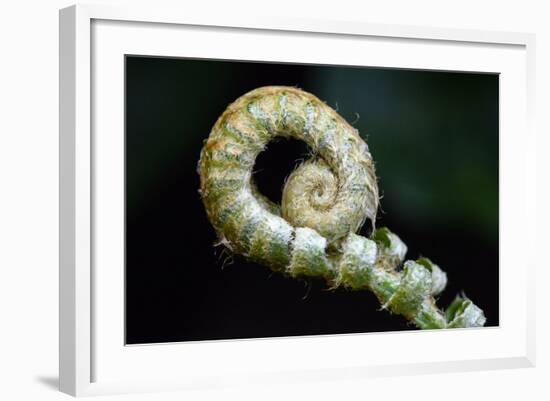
(325,202)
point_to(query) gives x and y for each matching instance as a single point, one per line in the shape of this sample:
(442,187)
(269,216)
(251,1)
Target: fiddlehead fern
(325,202)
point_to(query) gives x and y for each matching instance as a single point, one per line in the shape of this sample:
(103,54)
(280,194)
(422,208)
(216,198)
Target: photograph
(270,199)
(300,201)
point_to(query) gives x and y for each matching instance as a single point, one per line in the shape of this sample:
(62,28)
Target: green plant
(325,202)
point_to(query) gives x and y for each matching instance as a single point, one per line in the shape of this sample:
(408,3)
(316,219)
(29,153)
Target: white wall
(29,185)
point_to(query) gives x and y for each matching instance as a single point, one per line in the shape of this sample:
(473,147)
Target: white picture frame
(93,358)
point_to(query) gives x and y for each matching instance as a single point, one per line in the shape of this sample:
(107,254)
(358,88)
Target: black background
(433,136)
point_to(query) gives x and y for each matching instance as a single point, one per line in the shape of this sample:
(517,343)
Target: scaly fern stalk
(325,202)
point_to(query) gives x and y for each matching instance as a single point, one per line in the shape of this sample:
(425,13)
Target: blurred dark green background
(434,138)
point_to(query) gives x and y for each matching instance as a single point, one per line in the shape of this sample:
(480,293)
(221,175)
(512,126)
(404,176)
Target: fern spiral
(325,201)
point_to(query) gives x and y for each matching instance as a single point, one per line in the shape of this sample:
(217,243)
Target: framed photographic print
(264,200)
